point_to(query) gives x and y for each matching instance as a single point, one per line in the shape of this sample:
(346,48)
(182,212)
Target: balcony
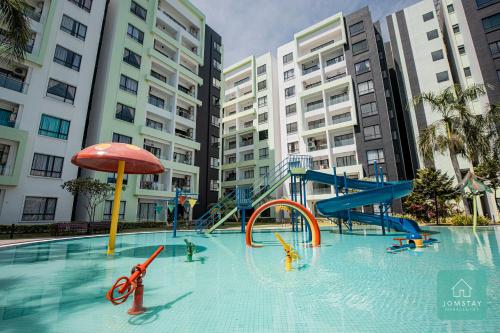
(341,118)
(322,45)
(316,124)
(311,106)
(316,144)
(312,85)
(8,118)
(230,177)
(307,70)
(186,134)
(181,183)
(320,164)
(321,189)
(336,99)
(182,158)
(343,140)
(150,185)
(187,91)
(33,13)
(12,83)
(231,145)
(335,77)
(155,151)
(185,113)
(335,60)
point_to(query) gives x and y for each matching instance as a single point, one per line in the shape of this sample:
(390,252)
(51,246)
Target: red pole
(140,269)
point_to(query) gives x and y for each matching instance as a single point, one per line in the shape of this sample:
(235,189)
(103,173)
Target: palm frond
(18,32)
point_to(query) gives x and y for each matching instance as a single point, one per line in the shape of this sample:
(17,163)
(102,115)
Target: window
(291,109)
(112,178)
(128,84)
(74,28)
(437,55)
(290,92)
(450,8)
(261,70)
(61,91)
(261,85)
(293,147)
(216,101)
(428,16)
(264,171)
(359,47)
(135,34)
(215,121)
(345,160)
(83,4)
(433,34)
(467,71)
(214,185)
(121,138)
(343,140)
(491,23)
(216,83)
(262,101)
(456,28)
(263,153)
(46,166)
(263,135)
(498,74)
(356,28)
(54,127)
(67,58)
(365,87)
(375,155)
(263,118)
(139,11)
(214,140)
(495,48)
(461,49)
(124,112)
(288,75)
(39,209)
(214,162)
(372,132)
(291,128)
(369,109)
(108,205)
(132,58)
(484,3)
(442,76)
(217,47)
(217,65)
(362,67)
(287,58)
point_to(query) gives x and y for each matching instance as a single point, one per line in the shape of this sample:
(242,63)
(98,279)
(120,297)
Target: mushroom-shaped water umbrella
(120,158)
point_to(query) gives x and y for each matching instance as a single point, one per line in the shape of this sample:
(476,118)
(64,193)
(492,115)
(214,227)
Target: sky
(258,26)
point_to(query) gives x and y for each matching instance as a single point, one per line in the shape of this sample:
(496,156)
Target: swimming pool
(349,284)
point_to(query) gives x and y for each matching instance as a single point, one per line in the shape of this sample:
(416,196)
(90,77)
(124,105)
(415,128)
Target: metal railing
(335,60)
(12,83)
(314,105)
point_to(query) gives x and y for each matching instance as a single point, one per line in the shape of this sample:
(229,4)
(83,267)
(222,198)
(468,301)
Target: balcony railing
(335,77)
(231,145)
(231,160)
(182,158)
(157,101)
(248,107)
(310,69)
(341,118)
(339,98)
(314,105)
(322,45)
(248,157)
(335,60)
(320,165)
(230,177)
(12,83)
(245,143)
(158,76)
(154,124)
(186,90)
(7,118)
(184,113)
(248,124)
(32,14)
(183,134)
(317,147)
(149,185)
(312,85)
(237,83)
(316,124)
(344,141)
(321,190)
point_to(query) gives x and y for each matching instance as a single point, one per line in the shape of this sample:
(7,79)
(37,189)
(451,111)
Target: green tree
(432,194)
(17,27)
(91,191)
(489,171)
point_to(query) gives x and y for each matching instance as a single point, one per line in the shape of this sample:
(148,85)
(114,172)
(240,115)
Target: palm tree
(17,32)
(459,131)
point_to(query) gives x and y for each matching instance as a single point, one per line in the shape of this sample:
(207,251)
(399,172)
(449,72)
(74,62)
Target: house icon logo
(461,289)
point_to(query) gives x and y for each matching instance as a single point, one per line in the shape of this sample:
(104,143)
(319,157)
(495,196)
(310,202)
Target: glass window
(67,58)
(369,109)
(214,140)
(491,23)
(135,34)
(261,85)
(263,118)
(262,101)
(124,112)
(122,138)
(290,92)
(356,28)
(217,47)
(362,66)
(139,11)
(216,83)
(112,178)
(461,49)
(437,55)
(495,48)
(54,127)
(456,28)
(365,87)
(132,58)
(46,166)
(108,205)
(39,209)
(428,16)
(263,135)
(291,128)
(484,3)
(372,132)
(214,162)
(61,91)
(288,75)
(74,28)
(442,76)
(264,171)
(291,109)
(293,147)
(287,58)
(375,155)
(217,65)
(128,84)
(343,140)
(214,185)
(359,47)
(261,70)
(215,121)
(263,153)
(433,34)
(467,71)
(84,4)
(450,8)
(345,160)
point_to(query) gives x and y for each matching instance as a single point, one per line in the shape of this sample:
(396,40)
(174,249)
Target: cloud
(258,26)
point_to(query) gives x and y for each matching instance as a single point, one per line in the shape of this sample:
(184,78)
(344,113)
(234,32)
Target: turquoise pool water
(349,284)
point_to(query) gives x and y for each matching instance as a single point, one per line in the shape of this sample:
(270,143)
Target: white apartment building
(316,102)
(43,109)
(250,134)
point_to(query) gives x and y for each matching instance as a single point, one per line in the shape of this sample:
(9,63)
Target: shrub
(467,220)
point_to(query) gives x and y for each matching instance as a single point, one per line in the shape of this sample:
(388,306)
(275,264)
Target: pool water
(349,284)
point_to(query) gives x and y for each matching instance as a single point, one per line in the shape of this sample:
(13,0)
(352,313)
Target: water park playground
(364,273)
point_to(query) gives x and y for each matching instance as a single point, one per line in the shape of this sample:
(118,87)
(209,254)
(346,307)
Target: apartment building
(43,108)
(333,101)
(146,94)
(208,123)
(250,135)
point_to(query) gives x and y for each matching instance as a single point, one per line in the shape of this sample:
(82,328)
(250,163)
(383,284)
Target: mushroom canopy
(105,157)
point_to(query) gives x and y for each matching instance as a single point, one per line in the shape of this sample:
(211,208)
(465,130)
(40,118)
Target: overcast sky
(258,26)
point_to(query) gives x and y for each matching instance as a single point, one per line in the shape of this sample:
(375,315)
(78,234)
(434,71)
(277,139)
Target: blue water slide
(396,223)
